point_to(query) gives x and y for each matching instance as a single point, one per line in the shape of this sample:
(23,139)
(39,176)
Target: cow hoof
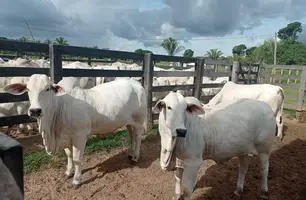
(237,194)
(66,177)
(176,197)
(74,186)
(132,159)
(264,195)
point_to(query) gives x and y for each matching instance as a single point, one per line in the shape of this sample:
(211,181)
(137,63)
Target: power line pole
(29,29)
(275,47)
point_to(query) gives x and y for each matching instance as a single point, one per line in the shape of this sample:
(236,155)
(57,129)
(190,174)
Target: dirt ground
(111,176)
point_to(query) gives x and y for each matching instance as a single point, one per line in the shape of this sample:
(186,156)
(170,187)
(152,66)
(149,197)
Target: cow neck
(47,120)
(200,134)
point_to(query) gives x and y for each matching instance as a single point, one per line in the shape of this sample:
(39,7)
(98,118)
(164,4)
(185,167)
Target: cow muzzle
(181,132)
(35,112)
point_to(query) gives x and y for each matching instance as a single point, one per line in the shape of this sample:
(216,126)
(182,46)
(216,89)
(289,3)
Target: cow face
(172,116)
(40,91)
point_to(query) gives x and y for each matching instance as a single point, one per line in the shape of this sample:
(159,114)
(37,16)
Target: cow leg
(243,168)
(138,132)
(264,166)
(280,125)
(69,169)
(135,134)
(191,168)
(20,111)
(178,174)
(78,147)
(131,150)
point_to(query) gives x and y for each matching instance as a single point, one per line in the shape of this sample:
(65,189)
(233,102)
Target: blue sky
(130,24)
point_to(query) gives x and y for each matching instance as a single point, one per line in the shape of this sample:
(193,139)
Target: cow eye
(169,108)
(48,89)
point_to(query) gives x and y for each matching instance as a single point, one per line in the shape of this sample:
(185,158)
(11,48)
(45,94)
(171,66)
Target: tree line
(290,51)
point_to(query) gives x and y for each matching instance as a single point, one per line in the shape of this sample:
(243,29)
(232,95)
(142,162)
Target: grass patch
(41,160)
(290,113)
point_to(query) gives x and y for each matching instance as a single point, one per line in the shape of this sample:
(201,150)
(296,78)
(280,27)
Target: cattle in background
(273,95)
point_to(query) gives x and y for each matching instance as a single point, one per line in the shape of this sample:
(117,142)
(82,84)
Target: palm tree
(172,46)
(24,39)
(61,41)
(214,54)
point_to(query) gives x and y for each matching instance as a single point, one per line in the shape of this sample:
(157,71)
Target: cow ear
(58,90)
(193,108)
(194,105)
(159,106)
(15,88)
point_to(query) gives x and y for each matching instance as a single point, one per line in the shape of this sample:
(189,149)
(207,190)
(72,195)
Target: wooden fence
(291,78)
(244,73)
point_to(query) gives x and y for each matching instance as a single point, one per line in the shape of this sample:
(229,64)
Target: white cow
(66,120)
(233,128)
(159,81)
(271,94)
(213,91)
(16,108)
(20,108)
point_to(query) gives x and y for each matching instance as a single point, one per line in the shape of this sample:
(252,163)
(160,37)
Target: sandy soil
(111,176)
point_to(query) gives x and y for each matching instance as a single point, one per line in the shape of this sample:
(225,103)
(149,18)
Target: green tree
(214,54)
(239,50)
(95,47)
(264,51)
(3,38)
(142,51)
(289,33)
(172,46)
(24,39)
(188,53)
(61,41)
(291,53)
(249,51)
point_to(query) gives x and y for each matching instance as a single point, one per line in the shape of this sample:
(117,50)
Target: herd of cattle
(20,108)
(241,120)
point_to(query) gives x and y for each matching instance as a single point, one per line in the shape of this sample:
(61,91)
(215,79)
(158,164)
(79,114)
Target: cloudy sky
(131,24)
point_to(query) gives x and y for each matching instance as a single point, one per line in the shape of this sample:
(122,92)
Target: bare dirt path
(111,176)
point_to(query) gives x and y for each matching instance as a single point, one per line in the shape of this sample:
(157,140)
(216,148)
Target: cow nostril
(181,132)
(35,112)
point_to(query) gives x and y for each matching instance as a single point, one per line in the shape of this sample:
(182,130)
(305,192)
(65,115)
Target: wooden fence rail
(292,79)
(244,73)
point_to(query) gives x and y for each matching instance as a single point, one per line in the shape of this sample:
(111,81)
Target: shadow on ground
(149,152)
(287,175)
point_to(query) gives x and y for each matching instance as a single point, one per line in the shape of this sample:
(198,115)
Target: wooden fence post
(148,70)
(235,71)
(89,60)
(261,73)
(300,113)
(198,78)
(56,70)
